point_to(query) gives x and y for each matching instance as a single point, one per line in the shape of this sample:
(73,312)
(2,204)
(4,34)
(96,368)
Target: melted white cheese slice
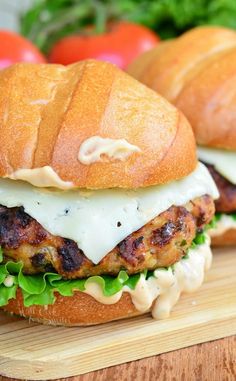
(223,161)
(99,220)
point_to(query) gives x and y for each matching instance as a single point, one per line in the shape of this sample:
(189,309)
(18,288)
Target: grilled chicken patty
(227,201)
(160,243)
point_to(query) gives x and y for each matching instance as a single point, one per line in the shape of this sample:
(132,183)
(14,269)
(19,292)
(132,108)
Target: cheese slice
(99,220)
(223,161)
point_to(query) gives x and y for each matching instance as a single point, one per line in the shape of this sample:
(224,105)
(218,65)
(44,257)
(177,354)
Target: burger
(197,73)
(104,207)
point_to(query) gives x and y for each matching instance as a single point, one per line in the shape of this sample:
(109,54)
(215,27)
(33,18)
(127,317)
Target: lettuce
(40,289)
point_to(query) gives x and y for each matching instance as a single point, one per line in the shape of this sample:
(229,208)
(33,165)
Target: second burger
(197,73)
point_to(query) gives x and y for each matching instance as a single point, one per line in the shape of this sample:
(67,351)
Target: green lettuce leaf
(40,289)
(7,293)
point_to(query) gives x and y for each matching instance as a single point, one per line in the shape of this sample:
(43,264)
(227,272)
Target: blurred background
(10,11)
(65,31)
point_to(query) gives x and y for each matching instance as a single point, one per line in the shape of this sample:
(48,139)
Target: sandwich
(197,73)
(104,206)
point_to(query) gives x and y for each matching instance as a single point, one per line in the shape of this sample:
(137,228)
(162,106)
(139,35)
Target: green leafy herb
(200,239)
(49,20)
(7,293)
(211,224)
(40,289)
(233,215)
(218,216)
(183,243)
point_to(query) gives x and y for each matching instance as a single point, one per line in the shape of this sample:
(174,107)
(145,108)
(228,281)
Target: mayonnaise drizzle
(40,177)
(92,149)
(160,292)
(225,223)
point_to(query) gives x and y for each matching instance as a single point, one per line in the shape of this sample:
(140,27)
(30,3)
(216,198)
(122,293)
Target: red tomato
(120,45)
(15,48)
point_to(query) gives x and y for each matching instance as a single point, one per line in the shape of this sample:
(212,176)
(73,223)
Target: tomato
(120,45)
(15,48)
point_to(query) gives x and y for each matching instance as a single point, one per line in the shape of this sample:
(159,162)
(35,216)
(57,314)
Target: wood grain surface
(208,314)
(213,361)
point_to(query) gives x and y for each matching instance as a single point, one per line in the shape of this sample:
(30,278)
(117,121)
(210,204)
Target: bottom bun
(79,309)
(228,238)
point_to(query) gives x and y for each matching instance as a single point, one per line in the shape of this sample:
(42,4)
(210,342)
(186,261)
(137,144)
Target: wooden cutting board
(32,351)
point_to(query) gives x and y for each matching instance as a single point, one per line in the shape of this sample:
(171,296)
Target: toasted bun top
(197,73)
(48,111)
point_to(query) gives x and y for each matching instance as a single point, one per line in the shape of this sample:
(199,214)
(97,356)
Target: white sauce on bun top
(41,177)
(96,149)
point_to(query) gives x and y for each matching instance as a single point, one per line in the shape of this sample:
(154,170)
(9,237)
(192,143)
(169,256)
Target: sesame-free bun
(228,238)
(83,310)
(48,111)
(197,73)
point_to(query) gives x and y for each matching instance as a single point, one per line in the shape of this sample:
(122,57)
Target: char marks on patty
(159,243)
(70,255)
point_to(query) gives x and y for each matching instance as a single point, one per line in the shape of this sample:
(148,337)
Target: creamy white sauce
(41,177)
(97,149)
(98,221)
(9,281)
(160,292)
(223,161)
(94,289)
(225,223)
